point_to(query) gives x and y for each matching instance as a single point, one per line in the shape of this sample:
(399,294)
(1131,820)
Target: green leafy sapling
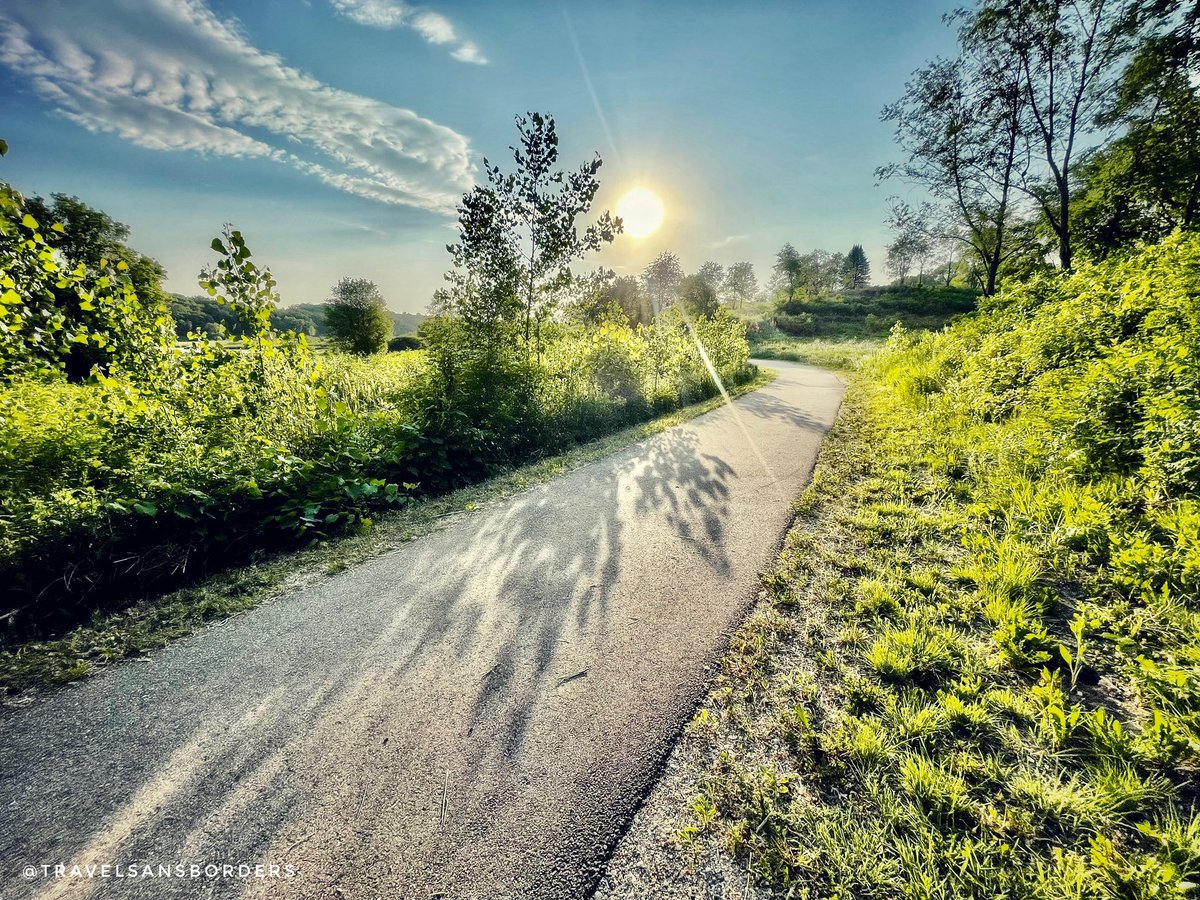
(247,289)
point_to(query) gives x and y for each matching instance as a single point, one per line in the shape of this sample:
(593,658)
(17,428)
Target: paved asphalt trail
(476,714)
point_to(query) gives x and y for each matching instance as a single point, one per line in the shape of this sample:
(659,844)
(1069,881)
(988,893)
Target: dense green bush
(357,317)
(55,318)
(121,485)
(404,342)
(1070,407)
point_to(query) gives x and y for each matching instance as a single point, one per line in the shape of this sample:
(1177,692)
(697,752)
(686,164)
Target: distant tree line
(661,286)
(1062,128)
(204,315)
(797,276)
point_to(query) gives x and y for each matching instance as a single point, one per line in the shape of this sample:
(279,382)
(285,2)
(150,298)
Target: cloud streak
(433,27)
(170,75)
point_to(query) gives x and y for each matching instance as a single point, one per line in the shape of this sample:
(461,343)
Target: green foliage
(89,236)
(858,268)
(518,234)
(404,342)
(357,317)
(871,312)
(698,296)
(1003,536)
(740,284)
(661,280)
(249,292)
(148,476)
(1146,182)
(59,318)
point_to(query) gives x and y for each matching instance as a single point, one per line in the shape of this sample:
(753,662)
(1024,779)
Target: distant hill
(871,312)
(202,313)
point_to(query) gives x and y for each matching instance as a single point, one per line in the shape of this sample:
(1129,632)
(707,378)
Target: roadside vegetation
(977,671)
(131,463)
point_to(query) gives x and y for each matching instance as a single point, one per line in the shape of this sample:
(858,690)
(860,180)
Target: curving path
(476,714)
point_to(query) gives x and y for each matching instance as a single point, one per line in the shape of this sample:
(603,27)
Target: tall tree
(821,272)
(627,293)
(961,125)
(858,267)
(661,280)
(518,234)
(788,268)
(90,236)
(740,283)
(1067,55)
(1147,182)
(357,316)
(698,297)
(713,274)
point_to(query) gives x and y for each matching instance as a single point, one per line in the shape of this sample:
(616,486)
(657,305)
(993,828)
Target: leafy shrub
(55,319)
(800,324)
(136,480)
(404,342)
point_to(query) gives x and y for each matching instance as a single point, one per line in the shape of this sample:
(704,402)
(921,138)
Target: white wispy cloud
(728,241)
(433,27)
(170,75)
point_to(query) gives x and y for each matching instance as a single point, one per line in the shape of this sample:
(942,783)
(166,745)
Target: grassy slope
(846,330)
(152,623)
(975,669)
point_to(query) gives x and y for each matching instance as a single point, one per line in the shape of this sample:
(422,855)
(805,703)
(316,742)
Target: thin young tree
(1066,57)
(740,283)
(960,124)
(698,297)
(518,234)
(788,268)
(713,274)
(914,238)
(661,280)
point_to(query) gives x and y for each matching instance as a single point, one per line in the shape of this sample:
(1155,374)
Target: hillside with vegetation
(975,674)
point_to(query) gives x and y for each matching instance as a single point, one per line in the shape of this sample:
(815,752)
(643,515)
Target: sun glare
(641,211)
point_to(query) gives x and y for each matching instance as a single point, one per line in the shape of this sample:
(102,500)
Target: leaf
(146,508)
(29,222)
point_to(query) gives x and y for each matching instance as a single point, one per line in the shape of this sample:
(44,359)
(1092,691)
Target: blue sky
(337,134)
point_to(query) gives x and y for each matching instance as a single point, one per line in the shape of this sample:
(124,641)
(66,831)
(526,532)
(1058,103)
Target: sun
(641,212)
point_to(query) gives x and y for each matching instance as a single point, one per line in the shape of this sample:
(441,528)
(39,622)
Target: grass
(840,355)
(109,637)
(974,670)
